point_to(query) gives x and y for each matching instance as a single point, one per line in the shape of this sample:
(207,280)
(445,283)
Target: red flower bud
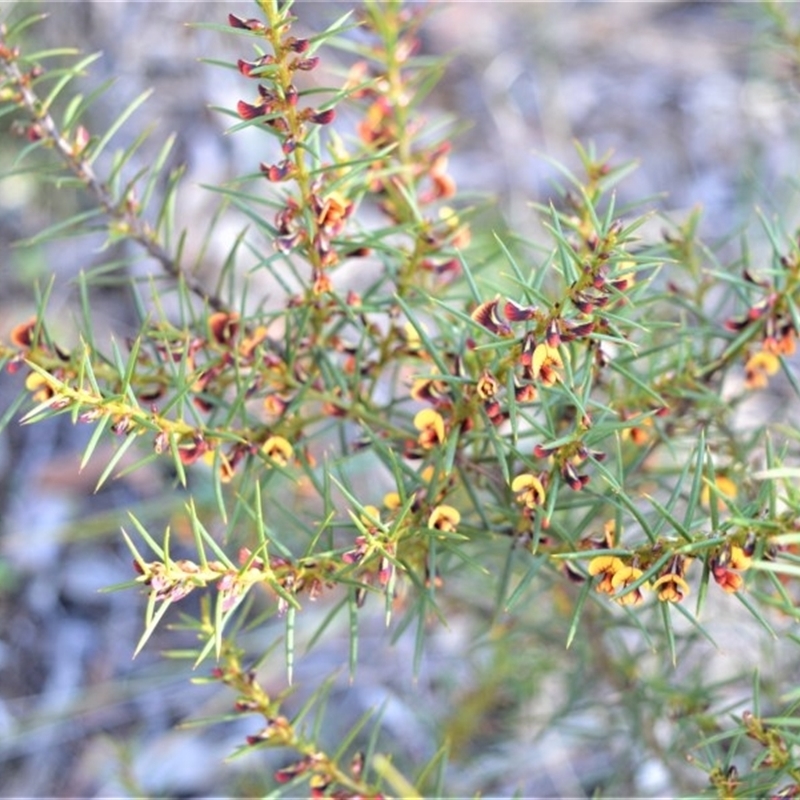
(306,64)
(277,172)
(298,45)
(245,24)
(323,117)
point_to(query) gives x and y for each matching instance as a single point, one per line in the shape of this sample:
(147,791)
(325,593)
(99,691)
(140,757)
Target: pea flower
(277,449)
(430,425)
(760,367)
(726,566)
(444,518)
(546,363)
(529,490)
(671,586)
(607,567)
(624,577)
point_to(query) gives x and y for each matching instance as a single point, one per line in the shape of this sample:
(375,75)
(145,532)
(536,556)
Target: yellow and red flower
(727,565)
(671,586)
(624,577)
(607,567)
(760,367)
(277,449)
(431,428)
(545,363)
(529,490)
(444,518)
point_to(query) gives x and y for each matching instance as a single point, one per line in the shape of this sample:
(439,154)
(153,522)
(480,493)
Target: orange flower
(607,566)
(333,213)
(322,284)
(529,490)
(782,343)
(430,425)
(223,326)
(730,558)
(640,433)
(759,368)
(621,579)
(727,580)
(22,335)
(545,363)
(671,587)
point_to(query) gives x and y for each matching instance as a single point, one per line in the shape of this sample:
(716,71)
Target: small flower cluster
(775,756)
(29,342)
(567,458)
(325,777)
(211,360)
(172,580)
(310,222)
(384,543)
(621,576)
(775,322)
(16,88)
(386,82)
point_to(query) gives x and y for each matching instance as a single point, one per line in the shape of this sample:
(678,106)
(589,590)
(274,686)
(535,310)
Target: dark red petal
(306,64)
(277,172)
(298,45)
(514,312)
(245,67)
(323,117)
(245,24)
(553,335)
(486,315)
(247,111)
(22,334)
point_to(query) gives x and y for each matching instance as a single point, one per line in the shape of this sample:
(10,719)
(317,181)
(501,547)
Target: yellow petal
(278,449)
(624,576)
(725,486)
(444,518)
(522,482)
(601,564)
(739,560)
(539,357)
(675,587)
(428,419)
(529,488)
(371,516)
(391,500)
(763,361)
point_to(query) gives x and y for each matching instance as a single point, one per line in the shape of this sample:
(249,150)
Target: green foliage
(547,442)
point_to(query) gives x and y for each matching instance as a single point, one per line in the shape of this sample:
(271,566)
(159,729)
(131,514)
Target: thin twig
(136,228)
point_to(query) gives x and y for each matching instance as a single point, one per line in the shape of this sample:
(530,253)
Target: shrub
(543,443)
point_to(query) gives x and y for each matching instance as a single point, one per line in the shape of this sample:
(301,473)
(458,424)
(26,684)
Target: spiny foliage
(406,420)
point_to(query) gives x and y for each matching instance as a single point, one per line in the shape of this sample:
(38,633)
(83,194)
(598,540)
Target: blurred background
(690,90)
